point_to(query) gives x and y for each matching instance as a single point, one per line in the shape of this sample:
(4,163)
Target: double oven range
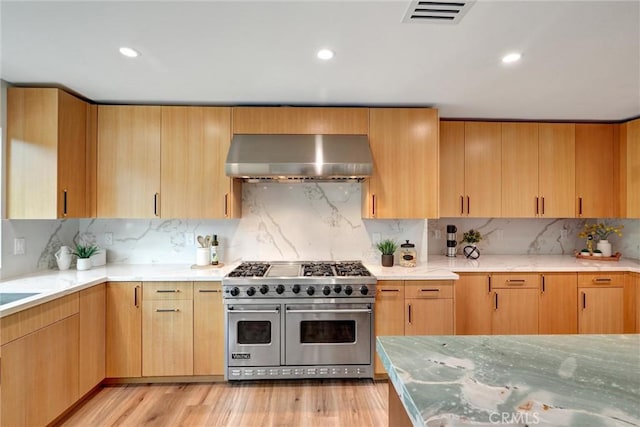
(299,320)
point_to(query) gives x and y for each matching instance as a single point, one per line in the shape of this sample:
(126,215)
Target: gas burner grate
(317,269)
(250,269)
(351,269)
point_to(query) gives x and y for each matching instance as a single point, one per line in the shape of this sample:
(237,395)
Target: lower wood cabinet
(558,303)
(389,313)
(600,303)
(92,337)
(515,304)
(124,330)
(208,329)
(473,302)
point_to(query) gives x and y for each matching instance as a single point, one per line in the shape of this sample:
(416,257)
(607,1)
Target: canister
(408,254)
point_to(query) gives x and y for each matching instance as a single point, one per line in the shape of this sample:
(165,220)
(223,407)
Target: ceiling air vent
(442,12)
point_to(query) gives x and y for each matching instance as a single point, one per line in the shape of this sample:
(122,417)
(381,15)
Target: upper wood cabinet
(46,150)
(470,177)
(630,169)
(195,142)
(404,144)
(556,170)
(300,120)
(128,178)
(595,171)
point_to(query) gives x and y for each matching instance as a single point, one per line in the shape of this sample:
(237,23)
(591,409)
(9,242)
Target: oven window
(254,332)
(327,331)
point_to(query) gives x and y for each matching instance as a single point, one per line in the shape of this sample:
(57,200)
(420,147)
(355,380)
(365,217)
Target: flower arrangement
(600,231)
(471,237)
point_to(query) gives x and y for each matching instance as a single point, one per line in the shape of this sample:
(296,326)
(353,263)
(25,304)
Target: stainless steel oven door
(328,334)
(253,334)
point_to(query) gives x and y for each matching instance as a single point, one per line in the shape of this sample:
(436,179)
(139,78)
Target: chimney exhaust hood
(290,158)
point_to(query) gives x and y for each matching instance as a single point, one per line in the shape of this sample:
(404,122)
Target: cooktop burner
(250,269)
(317,269)
(351,269)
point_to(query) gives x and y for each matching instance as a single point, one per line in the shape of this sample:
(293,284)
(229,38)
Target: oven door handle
(253,311)
(346,310)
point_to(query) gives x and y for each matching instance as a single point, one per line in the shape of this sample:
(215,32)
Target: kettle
(64,257)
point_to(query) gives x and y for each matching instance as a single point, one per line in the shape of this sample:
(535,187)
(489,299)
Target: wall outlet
(189,239)
(108,239)
(437,234)
(19,246)
(375,237)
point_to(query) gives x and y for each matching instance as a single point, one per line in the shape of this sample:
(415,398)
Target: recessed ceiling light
(325,54)
(512,57)
(129,52)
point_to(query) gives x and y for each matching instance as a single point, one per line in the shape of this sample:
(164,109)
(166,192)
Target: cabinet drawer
(588,280)
(515,280)
(390,290)
(428,289)
(167,290)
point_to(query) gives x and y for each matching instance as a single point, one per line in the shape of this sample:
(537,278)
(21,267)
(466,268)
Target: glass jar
(408,254)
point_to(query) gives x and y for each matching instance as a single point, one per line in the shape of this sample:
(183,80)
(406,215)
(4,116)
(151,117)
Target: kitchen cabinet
(630,169)
(595,171)
(538,170)
(515,309)
(600,303)
(40,373)
(193,183)
(124,330)
(630,302)
(428,307)
(128,173)
(404,144)
(46,164)
(208,329)
(473,304)
(471,169)
(92,336)
(300,120)
(167,328)
(389,313)
(558,303)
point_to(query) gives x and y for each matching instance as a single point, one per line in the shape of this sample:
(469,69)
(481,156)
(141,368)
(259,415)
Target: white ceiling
(581,59)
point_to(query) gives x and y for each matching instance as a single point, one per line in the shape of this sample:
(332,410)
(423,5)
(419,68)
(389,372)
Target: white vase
(605,247)
(83,264)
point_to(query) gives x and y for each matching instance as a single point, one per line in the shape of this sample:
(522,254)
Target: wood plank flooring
(255,404)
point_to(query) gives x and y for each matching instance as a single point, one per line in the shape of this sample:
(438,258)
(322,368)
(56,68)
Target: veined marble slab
(534,380)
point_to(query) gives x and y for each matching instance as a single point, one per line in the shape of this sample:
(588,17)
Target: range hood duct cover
(292,158)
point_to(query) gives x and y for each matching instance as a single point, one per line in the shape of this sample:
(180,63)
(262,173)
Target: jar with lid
(408,254)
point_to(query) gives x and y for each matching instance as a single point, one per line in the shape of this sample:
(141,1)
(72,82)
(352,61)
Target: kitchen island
(563,380)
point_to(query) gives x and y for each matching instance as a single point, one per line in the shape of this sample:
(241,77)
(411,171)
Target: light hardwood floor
(256,404)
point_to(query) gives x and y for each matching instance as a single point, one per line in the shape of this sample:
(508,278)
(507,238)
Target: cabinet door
(557,177)
(474,303)
(40,374)
(124,330)
(452,169)
(483,168)
(167,337)
(594,171)
(600,311)
(520,170)
(93,307)
(208,329)
(404,143)
(389,313)
(195,142)
(515,311)
(557,311)
(128,161)
(429,316)
(630,169)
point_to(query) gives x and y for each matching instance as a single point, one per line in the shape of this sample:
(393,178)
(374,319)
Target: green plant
(387,246)
(85,251)
(472,236)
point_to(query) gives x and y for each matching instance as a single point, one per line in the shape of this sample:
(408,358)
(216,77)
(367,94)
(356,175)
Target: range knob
(234,291)
(337,289)
(326,290)
(348,290)
(251,291)
(311,290)
(295,289)
(364,290)
(264,289)
(280,289)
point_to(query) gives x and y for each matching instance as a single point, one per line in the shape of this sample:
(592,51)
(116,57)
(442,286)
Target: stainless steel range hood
(299,157)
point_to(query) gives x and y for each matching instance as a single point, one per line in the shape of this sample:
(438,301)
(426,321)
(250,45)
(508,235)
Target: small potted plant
(471,237)
(84,253)
(387,247)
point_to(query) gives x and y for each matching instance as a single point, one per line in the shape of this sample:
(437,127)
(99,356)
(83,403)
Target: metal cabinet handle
(226,205)
(209,291)
(253,311)
(389,290)
(542,205)
(461,205)
(496,300)
(468,205)
(167,310)
(584,300)
(373,205)
(155,204)
(516,282)
(136,302)
(601,280)
(167,291)
(537,205)
(64,203)
(346,310)
(543,284)
(579,205)
(489,283)
(409,313)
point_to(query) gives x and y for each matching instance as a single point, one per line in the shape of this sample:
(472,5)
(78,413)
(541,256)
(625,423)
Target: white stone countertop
(51,284)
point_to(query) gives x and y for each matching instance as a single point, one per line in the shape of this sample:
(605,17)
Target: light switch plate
(19,246)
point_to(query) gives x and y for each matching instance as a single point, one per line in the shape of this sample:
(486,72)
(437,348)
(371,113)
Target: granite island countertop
(541,380)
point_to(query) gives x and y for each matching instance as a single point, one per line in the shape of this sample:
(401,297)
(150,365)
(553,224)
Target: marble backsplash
(311,221)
